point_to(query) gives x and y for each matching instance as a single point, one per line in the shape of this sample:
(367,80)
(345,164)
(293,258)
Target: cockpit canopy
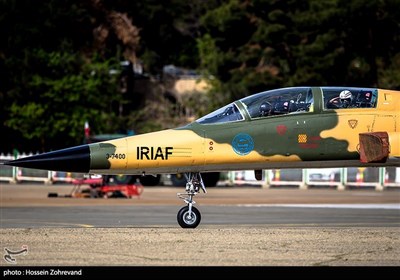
(289,100)
(278,102)
(268,103)
(228,113)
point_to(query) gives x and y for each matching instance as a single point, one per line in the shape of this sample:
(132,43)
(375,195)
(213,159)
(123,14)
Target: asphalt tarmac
(240,226)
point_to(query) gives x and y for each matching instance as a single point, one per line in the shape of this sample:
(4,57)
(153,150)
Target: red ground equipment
(100,189)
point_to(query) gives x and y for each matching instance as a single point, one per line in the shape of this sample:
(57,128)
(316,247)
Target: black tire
(183,219)
(150,180)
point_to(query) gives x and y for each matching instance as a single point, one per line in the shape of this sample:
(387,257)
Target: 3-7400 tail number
(115,156)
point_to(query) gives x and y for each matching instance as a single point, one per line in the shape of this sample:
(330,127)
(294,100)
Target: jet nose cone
(75,159)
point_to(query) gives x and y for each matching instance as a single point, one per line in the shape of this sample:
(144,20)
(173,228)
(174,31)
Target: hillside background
(140,66)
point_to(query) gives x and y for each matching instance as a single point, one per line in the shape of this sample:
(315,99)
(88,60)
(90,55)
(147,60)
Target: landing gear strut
(189,216)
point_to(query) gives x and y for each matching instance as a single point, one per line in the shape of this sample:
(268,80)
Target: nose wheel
(189,216)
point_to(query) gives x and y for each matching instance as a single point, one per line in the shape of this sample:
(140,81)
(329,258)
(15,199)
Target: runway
(243,226)
(165,216)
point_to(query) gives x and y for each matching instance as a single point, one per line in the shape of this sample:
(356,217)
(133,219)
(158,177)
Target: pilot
(265,109)
(344,100)
(364,99)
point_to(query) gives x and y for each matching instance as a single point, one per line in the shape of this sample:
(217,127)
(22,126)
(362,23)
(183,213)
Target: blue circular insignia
(242,144)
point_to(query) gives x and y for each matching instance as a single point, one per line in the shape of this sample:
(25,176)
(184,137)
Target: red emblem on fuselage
(281,129)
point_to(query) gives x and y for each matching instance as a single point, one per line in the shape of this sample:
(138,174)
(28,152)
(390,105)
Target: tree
(56,79)
(60,98)
(252,46)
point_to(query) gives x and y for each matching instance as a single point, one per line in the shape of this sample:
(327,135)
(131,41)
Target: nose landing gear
(189,216)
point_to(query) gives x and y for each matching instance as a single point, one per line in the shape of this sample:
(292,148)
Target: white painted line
(354,206)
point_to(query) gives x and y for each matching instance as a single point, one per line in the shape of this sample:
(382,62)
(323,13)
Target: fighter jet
(293,127)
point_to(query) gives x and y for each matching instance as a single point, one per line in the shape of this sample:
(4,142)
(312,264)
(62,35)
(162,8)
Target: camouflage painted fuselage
(237,138)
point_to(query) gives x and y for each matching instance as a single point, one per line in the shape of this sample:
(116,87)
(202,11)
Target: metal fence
(379,178)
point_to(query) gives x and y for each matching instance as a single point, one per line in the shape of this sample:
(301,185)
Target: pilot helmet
(265,109)
(345,97)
